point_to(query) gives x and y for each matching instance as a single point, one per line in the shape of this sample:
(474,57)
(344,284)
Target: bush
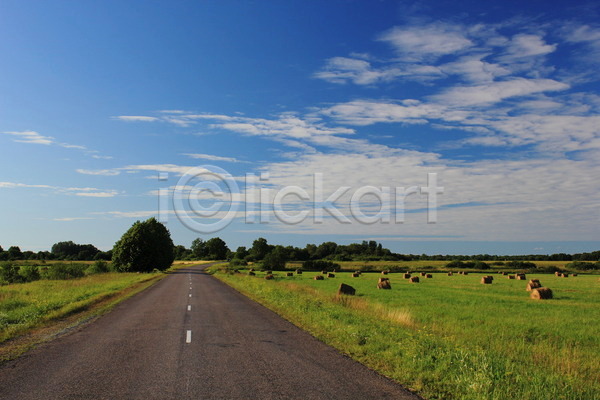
(583,266)
(62,271)
(9,273)
(521,265)
(29,273)
(236,262)
(319,265)
(98,267)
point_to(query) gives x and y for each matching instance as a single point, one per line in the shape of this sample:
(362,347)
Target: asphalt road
(190,337)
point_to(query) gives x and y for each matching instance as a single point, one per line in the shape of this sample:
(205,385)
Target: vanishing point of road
(190,336)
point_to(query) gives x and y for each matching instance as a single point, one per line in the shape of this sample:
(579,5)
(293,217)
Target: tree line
(147,245)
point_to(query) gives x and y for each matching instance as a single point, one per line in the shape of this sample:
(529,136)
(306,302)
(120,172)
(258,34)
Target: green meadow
(451,337)
(25,306)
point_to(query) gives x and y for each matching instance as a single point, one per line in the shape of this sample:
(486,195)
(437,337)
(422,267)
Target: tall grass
(451,337)
(26,305)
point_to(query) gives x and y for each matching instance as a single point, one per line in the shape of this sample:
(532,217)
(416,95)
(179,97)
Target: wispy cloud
(101,172)
(75,191)
(212,157)
(135,118)
(30,137)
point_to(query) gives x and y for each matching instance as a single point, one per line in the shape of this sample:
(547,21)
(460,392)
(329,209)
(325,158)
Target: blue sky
(500,100)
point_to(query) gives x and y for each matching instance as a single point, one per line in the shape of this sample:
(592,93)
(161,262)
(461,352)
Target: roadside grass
(24,306)
(451,337)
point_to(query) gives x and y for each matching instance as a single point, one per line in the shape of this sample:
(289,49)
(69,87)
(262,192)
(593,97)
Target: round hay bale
(355,275)
(406,276)
(251,273)
(289,274)
(510,276)
(346,290)
(299,272)
(384,285)
(573,274)
(520,277)
(423,273)
(251,270)
(269,277)
(330,275)
(319,278)
(384,272)
(414,279)
(428,276)
(533,284)
(504,273)
(465,273)
(487,280)
(557,274)
(542,293)
(565,275)
(450,274)
(324,272)
(382,280)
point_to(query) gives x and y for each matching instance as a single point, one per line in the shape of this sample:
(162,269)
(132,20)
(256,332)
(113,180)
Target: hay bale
(299,272)
(423,273)
(542,293)
(465,273)
(556,273)
(289,274)
(330,275)
(487,280)
(346,289)
(324,272)
(510,276)
(251,270)
(384,272)
(533,284)
(573,274)
(406,276)
(319,278)
(384,284)
(450,273)
(520,277)
(414,279)
(383,279)
(505,273)
(428,276)
(251,273)
(565,275)
(269,277)
(355,275)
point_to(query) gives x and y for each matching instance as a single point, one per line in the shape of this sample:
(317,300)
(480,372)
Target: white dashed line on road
(188,337)
(189,308)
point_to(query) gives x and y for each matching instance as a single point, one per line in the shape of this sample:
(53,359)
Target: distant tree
(181,253)
(73,251)
(216,248)
(241,253)
(276,259)
(260,248)
(14,253)
(199,250)
(145,246)
(1,249)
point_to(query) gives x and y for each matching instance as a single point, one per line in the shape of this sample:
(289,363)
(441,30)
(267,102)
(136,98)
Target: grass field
(27,305)
(452,337)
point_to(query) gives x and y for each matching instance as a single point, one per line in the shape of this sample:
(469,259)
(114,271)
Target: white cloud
(526,45)
(423,42)
(76,191)
(101,172)
(497,91)
(135,118)
(68,219)
(211,157)
(30,137)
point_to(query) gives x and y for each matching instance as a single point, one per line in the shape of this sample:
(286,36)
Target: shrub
(583,266)
(521,265)
(236,262)
(9,273)
(98,267)
(61,271)
(319,265)
(29,273)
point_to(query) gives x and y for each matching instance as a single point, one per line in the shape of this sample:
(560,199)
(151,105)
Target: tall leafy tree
(217,249)
(145,246)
